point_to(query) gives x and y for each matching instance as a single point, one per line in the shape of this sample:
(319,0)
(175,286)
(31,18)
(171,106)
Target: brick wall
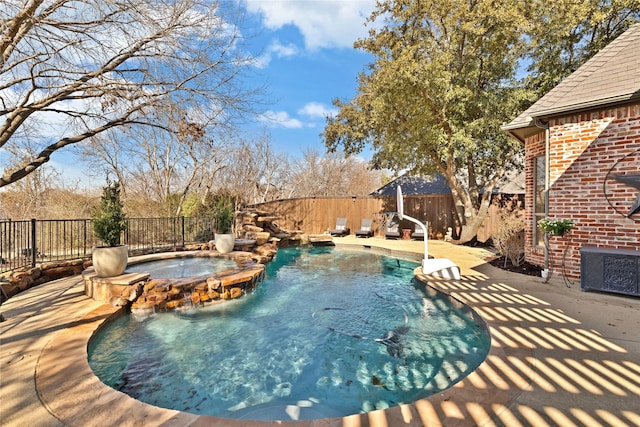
(585,151)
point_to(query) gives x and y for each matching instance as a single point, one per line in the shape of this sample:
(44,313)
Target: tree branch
(45,155)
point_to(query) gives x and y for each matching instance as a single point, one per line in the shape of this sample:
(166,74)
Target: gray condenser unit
(610,270)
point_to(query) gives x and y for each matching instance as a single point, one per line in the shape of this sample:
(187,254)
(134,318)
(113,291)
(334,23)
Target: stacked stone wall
(21,280)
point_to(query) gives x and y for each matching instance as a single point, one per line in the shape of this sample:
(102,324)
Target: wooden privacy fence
(316,215)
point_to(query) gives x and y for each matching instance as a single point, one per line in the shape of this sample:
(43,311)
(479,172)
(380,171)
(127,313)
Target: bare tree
(43,195)
(106,154)
(157,169)
(30,197)
(333,175)
(255,172)
(84,67)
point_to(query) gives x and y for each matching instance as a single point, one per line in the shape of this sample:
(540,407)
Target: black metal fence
(28,242)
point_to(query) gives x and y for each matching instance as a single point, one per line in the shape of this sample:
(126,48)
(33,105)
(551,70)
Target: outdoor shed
(425,199)
(429,198)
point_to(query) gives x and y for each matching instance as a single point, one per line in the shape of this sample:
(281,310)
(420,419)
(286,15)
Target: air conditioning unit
(610,270)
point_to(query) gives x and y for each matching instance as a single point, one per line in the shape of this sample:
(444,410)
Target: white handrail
(401,215)
(441,267)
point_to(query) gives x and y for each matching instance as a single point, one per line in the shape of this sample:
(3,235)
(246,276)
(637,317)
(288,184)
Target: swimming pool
(330,332)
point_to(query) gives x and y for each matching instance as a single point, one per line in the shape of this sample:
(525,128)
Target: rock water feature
(168,294)
(256,245)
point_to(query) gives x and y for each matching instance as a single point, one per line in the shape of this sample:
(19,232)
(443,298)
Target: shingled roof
(610,78)
(415,186)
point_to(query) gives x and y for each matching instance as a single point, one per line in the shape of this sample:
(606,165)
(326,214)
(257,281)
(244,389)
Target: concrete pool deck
(559,356)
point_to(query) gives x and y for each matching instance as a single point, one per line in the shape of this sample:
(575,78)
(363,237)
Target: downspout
(547,179)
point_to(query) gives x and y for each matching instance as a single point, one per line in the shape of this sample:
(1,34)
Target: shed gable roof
(611,77)
(415,185)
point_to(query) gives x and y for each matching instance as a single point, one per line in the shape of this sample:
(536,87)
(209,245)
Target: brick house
(582,162)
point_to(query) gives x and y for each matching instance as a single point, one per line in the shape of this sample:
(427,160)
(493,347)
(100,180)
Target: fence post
(174,230)
(34,244)
(126,234)
(182,219)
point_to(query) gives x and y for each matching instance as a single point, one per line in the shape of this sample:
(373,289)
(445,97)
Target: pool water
(172,268)
(330,332)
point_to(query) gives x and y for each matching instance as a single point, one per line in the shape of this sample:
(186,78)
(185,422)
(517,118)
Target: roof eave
(597,104)
(522,130)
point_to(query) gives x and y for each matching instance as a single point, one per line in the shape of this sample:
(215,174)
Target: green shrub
(109,219)
(223,215)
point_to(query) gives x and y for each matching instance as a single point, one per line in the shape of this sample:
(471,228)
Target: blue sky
(307,60)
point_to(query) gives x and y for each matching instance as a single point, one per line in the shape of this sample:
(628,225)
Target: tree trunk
(470,228)
(470,217)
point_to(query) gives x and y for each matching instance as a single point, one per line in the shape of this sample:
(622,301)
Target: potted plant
(555,227)
(109,222)
(223,217)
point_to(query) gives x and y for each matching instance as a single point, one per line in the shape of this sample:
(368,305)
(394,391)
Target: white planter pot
(109,261)
(225,242)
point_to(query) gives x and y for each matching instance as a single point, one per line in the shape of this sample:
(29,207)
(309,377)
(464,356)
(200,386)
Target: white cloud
(311,110)
(278,50)
(281,119)
(282,51)
(317,110)
(323,23)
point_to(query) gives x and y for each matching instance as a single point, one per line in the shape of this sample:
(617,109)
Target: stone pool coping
(538,371)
